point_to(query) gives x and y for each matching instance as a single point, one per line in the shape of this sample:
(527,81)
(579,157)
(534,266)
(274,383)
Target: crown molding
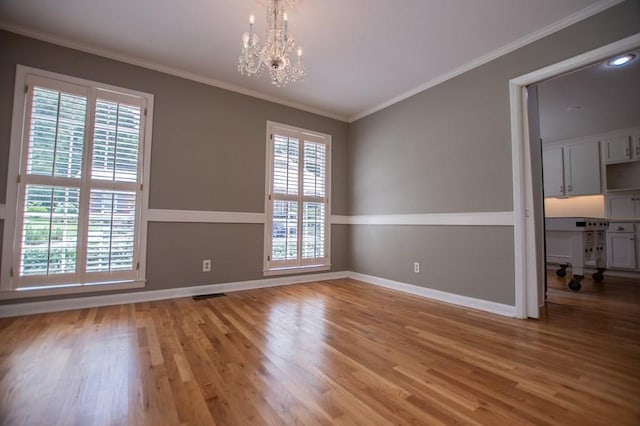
(585,13)
(537,35)
(110,54)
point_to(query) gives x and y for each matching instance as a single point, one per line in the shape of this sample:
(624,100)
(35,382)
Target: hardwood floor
(338,352)
(614,294)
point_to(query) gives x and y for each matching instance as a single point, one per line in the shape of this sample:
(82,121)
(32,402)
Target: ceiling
(361,55)
(590,101)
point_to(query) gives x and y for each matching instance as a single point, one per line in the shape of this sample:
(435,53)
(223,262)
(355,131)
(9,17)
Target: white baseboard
(456,299)
(29,308)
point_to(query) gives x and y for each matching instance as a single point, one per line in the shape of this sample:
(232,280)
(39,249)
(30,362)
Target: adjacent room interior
(586,116)
(318,212)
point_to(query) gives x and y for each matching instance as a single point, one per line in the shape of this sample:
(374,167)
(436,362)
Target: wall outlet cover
(206,265)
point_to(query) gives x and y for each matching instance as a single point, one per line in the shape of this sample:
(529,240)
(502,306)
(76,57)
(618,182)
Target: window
(298,201)
(80,153)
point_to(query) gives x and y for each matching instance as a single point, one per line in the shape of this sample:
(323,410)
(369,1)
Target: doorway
(528,197)
(581,117)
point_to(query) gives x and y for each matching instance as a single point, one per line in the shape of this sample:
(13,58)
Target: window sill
(25,293)
(296,270)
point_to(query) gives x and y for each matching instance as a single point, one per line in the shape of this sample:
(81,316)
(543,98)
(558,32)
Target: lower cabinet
(625,204)
(621,246)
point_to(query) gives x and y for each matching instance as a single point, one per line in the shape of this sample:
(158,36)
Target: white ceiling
(361,54)
(590,101)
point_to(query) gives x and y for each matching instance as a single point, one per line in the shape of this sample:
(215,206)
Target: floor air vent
(207,296)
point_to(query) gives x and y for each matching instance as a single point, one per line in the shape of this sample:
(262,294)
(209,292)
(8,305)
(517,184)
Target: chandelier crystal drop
(275,52)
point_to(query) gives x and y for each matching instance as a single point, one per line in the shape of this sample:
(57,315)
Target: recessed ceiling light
(619,61)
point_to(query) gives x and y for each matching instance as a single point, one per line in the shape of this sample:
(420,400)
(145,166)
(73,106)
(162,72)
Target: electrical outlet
(206,265)
(416,267)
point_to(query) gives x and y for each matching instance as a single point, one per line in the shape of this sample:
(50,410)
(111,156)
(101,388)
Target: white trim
(525,260)
(26,293)
(13,169)
(92,90)
(452,219)
(295,270)
(520,216)
(537,35)
(3,211)
(60,41)
(302,136)
(339,220)
(162,215)
(447,219)
(442,296)
(29,308)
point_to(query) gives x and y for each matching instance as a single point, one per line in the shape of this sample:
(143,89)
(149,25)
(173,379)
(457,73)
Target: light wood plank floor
(614,294)
(339,352)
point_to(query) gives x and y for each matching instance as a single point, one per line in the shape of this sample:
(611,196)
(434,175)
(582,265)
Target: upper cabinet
(583,164)
(621,156)
(621,148)
(553,169)
(572,169)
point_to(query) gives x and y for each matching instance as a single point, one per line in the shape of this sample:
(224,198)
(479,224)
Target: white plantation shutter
(297,199)
(56,133)
(286,155)
(284,230)
(313,225)
(113,200)
(116,142)
(79,188)
(315,161)
(50,230)
(111,236)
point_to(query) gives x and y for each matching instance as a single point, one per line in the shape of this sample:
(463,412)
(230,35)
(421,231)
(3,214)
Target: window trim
(303,135)
(8,285)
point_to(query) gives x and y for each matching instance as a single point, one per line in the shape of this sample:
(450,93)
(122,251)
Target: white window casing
(77,192)
(298,200)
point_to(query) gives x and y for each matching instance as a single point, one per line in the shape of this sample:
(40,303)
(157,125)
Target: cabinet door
(621,205)
(636,205)
(636,147)
(616,149)
(621,250)
(552,171)
(582,169)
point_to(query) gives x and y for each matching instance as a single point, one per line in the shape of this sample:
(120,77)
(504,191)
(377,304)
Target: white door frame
(527,277)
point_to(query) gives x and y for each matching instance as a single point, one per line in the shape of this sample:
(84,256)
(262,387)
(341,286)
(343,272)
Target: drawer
(621,227)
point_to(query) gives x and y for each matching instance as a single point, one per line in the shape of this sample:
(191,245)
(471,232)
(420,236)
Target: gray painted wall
(450,257)
(236,250)
(446,150)
(208,154)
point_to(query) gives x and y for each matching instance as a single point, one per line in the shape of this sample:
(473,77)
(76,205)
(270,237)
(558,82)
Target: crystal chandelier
(278,45)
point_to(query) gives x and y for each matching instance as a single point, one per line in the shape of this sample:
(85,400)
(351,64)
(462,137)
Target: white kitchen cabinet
(582,169)
(623,204)
(621,148)
(571,170)
(621,246)
(553,172)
